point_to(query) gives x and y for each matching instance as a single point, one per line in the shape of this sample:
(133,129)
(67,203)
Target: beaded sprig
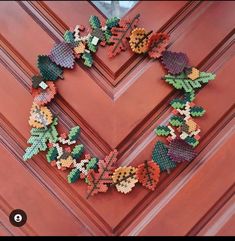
(64,150)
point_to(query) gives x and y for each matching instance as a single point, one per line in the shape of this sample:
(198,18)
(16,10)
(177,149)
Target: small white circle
(18,218)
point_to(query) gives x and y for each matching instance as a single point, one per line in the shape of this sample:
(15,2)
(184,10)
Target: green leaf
(88,59)
(181,81)
(176,121)
(52,154)
(94,22)
(189,96)
(112,22)
(48,69)
(92,164)
(91,47)
(74,133)
(178,104)
(38,139)
(197,111)
(69,37)
(77,151)
(160,156)
(191,141)
(162,131)
(74,175)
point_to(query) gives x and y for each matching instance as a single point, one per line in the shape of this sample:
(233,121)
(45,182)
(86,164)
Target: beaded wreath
(64,150)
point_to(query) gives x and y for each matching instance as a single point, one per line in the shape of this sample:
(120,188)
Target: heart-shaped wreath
(64,151)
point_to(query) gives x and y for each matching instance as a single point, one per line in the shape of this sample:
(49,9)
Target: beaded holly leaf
(39,138)
(157,44)
(41,96)
(77,151)
(124,178)
(160,156)
(182,81)
(120,34)
(174,62)
(139,40)
(48,69)
(88,59)
(97,181)
(62,54)
(40,116)
(180,151)
(74,133)
(69,38)
(148,174)
(73,176)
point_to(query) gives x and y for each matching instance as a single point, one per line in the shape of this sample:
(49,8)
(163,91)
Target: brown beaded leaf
(120,34)
(97,181)
(62,54)
(40,117)
(180,151)
(148,174)
(41,96)
(124,178)
(139,40)
(174,62)
(157,44)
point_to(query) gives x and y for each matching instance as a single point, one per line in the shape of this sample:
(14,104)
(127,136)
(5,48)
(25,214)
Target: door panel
(118,103)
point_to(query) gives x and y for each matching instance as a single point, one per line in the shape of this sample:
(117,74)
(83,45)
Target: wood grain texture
(118,103)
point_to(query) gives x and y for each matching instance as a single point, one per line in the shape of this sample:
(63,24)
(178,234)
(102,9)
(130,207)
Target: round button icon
(18,218)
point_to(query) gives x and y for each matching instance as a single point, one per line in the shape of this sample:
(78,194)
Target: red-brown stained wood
(118,103)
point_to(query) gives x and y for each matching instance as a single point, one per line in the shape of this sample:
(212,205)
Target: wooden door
(118,103)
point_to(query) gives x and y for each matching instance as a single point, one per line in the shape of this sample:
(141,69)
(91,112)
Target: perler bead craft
(180,151)
(67,161)
(148,174)
(160,156)
(124,178)
(97,181)
(63,151)
(194,73)
(80,48)
(120,34)
(36,80)
(48,69)
(41,96)
(157,44)
(62,54)
(181,81)
(174,62)
(40,116)
(139,40)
